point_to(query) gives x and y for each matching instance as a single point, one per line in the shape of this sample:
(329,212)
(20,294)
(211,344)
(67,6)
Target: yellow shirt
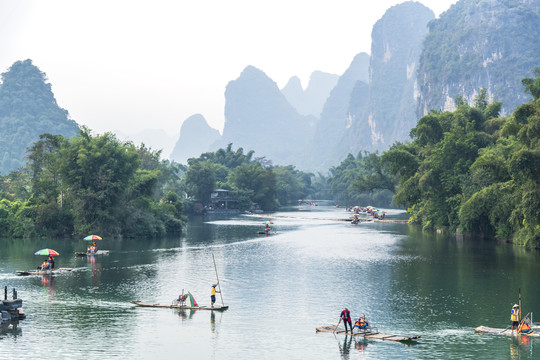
(213,290)
(514,315)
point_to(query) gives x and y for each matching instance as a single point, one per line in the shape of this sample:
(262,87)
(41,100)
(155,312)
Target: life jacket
(361,323)
(514,315)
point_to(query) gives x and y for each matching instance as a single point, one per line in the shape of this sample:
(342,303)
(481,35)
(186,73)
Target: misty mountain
(28,109)
(157,139)
(479,44)
(259,117)
(390,112)
(326,148)
(311,100)
(196,137)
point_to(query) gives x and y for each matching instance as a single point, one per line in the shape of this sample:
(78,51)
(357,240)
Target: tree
(200,179)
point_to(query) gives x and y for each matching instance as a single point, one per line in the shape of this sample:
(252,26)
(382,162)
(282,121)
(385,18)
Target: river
(279,289)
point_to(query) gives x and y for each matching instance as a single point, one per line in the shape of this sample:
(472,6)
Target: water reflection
(521,347)
(10,328)
(183,314)
(47,281)
(92,261)
(345,348)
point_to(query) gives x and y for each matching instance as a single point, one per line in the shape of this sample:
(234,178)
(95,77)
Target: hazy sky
(131,65)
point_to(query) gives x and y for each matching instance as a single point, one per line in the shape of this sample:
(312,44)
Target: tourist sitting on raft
(44,266)
(92,249)
(361,323)
(182,299)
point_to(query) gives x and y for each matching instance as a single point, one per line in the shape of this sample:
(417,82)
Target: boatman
(51,261)
(515,315)
(213,292)
(346,317)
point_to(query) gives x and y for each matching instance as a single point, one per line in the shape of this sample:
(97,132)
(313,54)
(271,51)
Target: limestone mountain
(311,100)
(28,109)
(489,44)
(326,148)
(390,112)
(259,117)
(196,137)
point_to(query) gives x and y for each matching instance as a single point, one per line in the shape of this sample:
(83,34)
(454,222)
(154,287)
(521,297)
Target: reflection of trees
(458,281)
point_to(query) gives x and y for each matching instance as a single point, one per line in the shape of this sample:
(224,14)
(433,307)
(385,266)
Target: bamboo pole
(217,278)
(520,309)
(339,322)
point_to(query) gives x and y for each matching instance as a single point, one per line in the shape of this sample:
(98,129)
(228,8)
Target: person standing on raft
(515,316)
(213,292)
(346,317)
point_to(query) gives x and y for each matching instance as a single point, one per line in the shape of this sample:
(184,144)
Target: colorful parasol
(267,222)
(46,252)
(92,237)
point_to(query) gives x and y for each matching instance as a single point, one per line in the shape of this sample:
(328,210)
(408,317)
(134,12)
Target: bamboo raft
(40,272)
(372,333)
(507,331)
(174,306)
(99,252)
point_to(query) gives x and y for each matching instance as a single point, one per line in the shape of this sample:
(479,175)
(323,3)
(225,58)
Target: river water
(279,289)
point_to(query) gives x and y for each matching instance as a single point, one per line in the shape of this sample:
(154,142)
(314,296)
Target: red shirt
(346,315)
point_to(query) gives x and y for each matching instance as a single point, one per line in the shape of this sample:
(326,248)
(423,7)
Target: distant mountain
(259,117)
(479,44)
(390,112)
(196,137)
(325,148)
(310,101)
(157,139)
(28,109)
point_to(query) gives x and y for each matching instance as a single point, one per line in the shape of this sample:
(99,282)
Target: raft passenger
(515,316)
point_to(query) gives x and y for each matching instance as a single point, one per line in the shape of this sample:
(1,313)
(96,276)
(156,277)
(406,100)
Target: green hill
(27,109)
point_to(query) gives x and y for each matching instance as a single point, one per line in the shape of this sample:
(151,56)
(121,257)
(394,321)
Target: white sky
(132,65)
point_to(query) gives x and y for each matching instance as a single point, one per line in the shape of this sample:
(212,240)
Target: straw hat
(516,305)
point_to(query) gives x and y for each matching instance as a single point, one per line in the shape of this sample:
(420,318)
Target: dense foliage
(473,170)
(363,180)
(91,184)
(27,110)
(253,182)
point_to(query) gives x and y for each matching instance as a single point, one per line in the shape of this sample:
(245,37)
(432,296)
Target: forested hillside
(474,171)
(27,109)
